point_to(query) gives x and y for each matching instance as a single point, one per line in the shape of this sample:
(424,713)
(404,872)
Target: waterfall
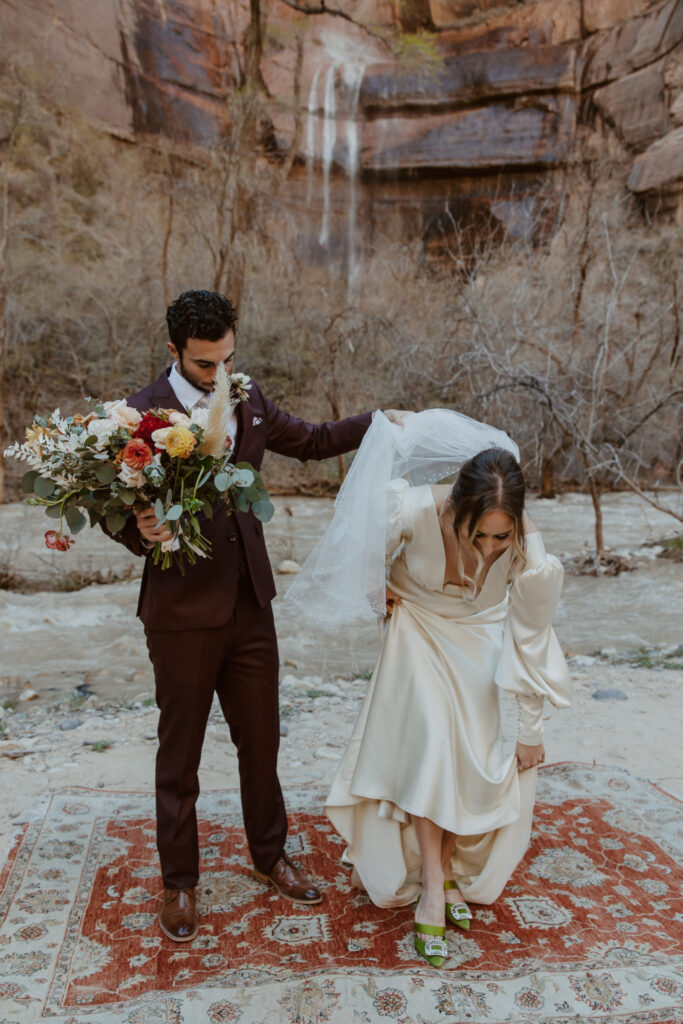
(329,139)
(346,79)
(352,142)
(311,133)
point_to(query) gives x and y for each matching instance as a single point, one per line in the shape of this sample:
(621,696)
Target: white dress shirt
(189,396)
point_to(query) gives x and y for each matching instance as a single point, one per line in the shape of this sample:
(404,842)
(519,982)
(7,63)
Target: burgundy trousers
(239,662)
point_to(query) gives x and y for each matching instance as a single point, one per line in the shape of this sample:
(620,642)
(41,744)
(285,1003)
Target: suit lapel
(242,417)
(162,395)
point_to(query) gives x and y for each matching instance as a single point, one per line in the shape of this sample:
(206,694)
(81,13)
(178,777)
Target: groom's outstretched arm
(288,435)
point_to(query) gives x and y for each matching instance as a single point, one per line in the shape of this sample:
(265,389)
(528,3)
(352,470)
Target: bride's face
(493,535)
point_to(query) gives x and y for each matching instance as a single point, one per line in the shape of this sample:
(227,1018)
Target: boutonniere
(240,386)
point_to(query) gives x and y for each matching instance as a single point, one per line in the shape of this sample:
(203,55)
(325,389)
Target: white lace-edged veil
(342,582)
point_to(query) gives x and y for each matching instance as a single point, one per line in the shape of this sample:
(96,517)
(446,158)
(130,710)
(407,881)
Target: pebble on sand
(609,694)
(288,567)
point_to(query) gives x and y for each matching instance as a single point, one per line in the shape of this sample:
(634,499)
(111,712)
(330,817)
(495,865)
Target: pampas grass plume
(213,442)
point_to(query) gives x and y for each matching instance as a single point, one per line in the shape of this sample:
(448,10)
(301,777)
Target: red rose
(57,541)
(137,454)
(148,424)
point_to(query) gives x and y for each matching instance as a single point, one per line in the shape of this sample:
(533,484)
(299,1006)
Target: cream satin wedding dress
(427,742)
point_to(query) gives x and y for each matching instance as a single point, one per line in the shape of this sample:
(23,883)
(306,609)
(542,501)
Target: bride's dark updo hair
(491,481)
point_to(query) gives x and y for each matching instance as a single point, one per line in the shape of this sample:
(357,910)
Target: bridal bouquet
(103,466)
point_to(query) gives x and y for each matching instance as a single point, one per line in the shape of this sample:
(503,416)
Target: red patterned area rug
(590,927)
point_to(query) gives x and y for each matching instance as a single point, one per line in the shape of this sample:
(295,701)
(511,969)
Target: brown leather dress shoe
(178,917)
(290,882)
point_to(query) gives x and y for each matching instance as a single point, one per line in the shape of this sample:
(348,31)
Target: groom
(211,630)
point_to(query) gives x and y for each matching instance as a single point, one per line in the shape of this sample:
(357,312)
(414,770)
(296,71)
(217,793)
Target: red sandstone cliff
(500,99)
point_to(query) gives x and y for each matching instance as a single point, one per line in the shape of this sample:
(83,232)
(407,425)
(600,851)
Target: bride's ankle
(452,894)
(429,909)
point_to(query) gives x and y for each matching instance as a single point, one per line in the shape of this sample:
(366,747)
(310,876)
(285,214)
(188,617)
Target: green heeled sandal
(434,948)
(457,913)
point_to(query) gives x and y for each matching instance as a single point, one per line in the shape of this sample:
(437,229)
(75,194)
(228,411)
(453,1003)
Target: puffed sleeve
(532,665)
(399,522)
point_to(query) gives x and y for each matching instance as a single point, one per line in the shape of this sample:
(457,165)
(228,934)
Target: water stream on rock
(311,123)
(329,139)
(353,146)
(336,101)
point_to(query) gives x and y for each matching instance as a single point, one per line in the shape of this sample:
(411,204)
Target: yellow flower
(179,442)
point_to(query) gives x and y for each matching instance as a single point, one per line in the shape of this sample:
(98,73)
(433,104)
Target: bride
(428,804)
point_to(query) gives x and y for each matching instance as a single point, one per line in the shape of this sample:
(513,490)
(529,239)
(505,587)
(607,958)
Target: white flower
(159,437)
(132,477)
(199,417)
(179,419)
(102,429)
(122,414)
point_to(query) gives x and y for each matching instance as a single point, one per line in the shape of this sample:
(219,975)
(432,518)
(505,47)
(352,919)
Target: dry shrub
(571,343)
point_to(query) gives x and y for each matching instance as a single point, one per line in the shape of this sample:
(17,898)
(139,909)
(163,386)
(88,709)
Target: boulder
(537,133)
(633,45)
(470,78)
(660,166)
(636,107)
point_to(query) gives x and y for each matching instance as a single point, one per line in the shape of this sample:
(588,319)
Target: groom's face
(198,360)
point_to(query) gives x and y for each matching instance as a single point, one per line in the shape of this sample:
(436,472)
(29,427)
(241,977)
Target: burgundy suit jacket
(204,597)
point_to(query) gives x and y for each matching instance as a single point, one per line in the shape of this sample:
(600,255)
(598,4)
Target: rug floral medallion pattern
(590,927)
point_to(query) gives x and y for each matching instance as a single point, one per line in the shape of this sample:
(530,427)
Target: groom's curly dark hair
(200,314)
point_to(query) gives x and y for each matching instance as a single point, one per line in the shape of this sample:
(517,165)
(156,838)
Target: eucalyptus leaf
(221,482)
(54,511)
(105,474)
(243,477)
(43,486)
(242,503)
(159,509)
(115,522)
(263,510)
(252,493)
(75,519)
(28,480)
(174,512)
(127,496)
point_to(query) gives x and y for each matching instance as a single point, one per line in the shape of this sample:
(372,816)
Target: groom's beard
(193,379)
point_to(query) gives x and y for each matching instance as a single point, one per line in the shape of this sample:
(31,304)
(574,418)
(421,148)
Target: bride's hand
(397,416)
(529,757)
(393,600)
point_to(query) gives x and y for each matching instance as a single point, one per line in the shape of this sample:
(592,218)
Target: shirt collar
(187,394)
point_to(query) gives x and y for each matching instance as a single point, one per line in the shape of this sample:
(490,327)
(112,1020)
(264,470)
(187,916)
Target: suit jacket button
(233,536)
